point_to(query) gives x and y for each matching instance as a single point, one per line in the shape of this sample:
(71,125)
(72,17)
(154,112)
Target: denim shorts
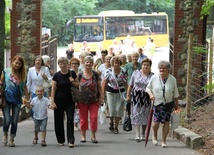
(40,125)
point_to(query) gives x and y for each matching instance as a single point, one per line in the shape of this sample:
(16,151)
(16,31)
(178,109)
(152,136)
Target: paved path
(109,143)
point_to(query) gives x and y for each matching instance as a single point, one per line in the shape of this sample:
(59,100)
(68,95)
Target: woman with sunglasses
(74,65)
(163,91)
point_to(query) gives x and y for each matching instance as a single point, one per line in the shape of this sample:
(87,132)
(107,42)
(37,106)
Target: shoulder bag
(2,95)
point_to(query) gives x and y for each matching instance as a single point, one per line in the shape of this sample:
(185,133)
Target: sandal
(111,128)
(43,143)
(116,131)
(4,140)
(35,141)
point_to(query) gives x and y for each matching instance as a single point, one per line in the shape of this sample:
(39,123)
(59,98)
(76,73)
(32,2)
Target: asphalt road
(109,143)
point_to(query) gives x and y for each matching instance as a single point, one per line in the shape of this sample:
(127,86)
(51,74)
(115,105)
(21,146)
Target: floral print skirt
(161,114)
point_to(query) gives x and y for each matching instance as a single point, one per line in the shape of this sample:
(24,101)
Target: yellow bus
(102,29)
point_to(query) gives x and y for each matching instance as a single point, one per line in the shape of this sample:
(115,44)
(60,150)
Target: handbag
(2,99)
(2,94)
(76,94)
(169,106)
(127,126)
(46,84)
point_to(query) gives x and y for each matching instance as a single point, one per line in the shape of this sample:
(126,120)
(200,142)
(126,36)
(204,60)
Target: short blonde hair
(89,58)
(115,58)
(62,59)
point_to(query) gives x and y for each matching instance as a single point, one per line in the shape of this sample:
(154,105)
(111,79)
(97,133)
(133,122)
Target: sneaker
(60,144)
(70,145)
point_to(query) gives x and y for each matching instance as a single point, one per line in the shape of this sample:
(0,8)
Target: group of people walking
(110,79)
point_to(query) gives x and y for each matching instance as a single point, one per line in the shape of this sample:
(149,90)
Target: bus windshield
(88,29)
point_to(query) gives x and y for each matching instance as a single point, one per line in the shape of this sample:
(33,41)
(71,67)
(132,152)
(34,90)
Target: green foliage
(206,7)
(198,49)
(8,4)
(55,15)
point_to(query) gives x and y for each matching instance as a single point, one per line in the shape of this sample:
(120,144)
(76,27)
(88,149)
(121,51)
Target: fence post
(210,66)
(189,65)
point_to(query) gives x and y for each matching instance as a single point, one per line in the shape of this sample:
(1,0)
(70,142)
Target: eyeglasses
(74,63)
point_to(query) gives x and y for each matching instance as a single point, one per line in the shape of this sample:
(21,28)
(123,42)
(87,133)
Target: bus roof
(121,13)
(114,12)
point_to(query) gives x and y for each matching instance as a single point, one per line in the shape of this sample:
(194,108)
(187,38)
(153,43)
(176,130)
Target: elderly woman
(132,66)
(103,67)
(101,60)
(83,54)
(61,102)
(114,84)
(140,101)
(36,75)
(129,68)
(163,91)
(90,88)
(74,64)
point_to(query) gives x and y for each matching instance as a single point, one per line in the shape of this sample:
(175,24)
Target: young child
(40,115)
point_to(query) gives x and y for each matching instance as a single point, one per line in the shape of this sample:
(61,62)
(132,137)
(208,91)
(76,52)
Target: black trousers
(59,122)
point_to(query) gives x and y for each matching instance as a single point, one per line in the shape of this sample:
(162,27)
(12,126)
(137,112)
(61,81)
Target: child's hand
(49,107)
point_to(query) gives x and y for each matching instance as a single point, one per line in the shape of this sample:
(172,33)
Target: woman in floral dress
(140,101)
(114,84)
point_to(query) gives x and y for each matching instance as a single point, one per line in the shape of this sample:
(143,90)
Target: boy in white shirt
(40,115)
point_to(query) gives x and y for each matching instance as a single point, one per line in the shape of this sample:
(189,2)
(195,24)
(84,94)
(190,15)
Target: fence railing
(199,88)
(49,47)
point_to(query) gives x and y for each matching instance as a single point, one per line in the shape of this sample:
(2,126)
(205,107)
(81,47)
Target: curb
(191,139)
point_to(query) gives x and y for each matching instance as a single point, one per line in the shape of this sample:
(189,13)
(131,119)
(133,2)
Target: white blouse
(156,86)
(34,79)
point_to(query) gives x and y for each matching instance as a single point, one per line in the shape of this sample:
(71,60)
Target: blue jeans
(13,119)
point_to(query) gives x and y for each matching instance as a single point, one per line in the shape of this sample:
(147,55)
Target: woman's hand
(71,79)
(152,97)
(53,106)
(44,76)
(128,98)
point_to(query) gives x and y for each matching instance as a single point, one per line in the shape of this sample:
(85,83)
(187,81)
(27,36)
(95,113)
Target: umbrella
(149,124)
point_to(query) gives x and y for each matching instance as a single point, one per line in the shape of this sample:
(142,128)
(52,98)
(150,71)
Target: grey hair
(62,59)
(166,64)
(46,58)
(89,58)
(83,54)
(135,54)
